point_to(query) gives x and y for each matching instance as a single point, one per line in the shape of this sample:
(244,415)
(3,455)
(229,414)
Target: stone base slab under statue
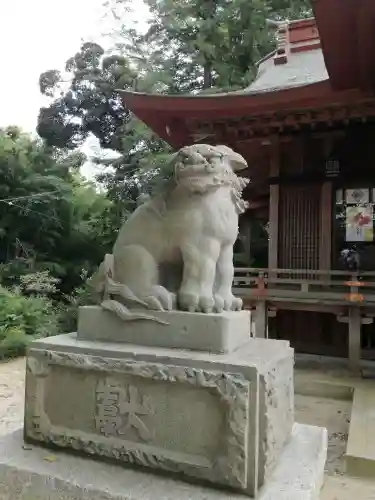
(33,473)
(221,419)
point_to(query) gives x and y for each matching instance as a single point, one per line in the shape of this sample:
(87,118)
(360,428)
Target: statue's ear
(237,161)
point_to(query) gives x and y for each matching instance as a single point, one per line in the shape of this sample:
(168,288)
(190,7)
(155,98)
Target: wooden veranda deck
(350,296)
(305,286)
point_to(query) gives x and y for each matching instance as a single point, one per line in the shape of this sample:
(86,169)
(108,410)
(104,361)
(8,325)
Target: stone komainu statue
(176,250)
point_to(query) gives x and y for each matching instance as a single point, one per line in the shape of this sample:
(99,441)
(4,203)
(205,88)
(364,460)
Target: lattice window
(299,231)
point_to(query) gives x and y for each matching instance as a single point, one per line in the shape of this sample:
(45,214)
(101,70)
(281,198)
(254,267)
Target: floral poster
(359,223)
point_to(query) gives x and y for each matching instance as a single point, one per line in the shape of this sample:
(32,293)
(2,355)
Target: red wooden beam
(346,29)
(336,21)
(180,120)
(232,105)
(366,44)
(256,131)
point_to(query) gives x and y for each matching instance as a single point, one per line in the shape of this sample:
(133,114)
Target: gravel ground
(12,383)
(332,414)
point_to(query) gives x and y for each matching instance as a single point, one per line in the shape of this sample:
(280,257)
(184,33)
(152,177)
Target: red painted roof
(347,30)
(302,74)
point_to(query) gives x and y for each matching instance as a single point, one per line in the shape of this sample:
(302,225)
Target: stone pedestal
(224,418)
(217,333)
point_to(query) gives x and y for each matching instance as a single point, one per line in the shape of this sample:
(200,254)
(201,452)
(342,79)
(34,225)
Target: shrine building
(306,126)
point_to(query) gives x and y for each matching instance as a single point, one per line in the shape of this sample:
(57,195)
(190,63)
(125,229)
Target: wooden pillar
(274,205)
(261,320)
(246,239)
(355,327)
(325,231)
(261,313)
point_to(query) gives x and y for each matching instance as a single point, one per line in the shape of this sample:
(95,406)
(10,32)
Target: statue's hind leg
(136,268)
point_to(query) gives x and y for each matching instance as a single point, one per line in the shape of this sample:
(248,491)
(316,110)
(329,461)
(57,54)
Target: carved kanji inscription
(119,408)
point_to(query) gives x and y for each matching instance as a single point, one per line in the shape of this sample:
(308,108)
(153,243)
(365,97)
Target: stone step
(360,452)
(31,472)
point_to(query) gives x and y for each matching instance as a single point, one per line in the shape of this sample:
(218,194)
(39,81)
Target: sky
(38,35)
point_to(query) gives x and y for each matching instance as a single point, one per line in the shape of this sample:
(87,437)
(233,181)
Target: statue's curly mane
(193,169)
(201,168)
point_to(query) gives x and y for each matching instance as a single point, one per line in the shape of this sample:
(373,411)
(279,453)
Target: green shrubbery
(53,224)
(22,319)
(28,311)
(67,310)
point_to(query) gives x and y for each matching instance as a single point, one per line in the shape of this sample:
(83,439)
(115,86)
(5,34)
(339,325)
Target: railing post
(261,320)
(354,327)
(261,316)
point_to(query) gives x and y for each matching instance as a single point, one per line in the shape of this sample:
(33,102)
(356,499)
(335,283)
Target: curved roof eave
(229,103)
(304,76)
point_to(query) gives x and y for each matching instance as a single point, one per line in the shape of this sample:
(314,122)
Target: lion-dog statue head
(201,167)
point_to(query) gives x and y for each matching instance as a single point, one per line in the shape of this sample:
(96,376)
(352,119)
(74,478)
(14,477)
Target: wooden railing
(305,285)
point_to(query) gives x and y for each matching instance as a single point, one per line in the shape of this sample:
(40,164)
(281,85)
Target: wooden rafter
(255,128)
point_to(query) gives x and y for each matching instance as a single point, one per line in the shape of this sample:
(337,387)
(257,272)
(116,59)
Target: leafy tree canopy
(189,46)
(49,217)
(90,104)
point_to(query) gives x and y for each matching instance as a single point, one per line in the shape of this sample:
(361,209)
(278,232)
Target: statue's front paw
(195,303)
(219,303)
(188,301)
(227,302)
(206,304)
(237,304)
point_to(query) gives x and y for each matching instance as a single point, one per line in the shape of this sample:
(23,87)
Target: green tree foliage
(91,103)
(190,45)
(49,218)
(200,44)
(23,319)
(54,229)
(210,43)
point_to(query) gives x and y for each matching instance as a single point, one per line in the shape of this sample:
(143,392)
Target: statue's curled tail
(102,282)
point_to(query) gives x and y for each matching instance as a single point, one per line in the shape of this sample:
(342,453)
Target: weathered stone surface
(218,333)
(223,418)
(276,414)
(32,473)
(175,251)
